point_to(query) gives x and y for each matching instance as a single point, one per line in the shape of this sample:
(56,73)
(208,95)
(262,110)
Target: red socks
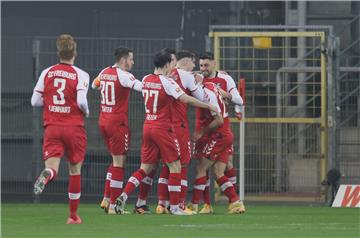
(162,190)
(74,194)
(227,188)
(206,193)
(184,187)
(198,189)
(134,181)
(52,175)
(174,187)
(107,182)
(231,174)
(145,185)
(116,183)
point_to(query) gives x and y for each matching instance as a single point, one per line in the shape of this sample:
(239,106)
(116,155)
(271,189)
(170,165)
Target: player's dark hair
(184,54)
(161,59)
(207,55)
(121,52)
(170,51)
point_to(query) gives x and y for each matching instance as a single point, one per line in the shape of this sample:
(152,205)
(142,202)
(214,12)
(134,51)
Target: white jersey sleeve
(210,98)
(37,96)
(231,88)
(82,89)
(128,80)
(171,87)
(189,82)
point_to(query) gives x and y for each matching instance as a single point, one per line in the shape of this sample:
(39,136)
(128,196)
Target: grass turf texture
(48,220)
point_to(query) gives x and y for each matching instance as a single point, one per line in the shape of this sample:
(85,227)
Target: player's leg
(235,206)
(47,175)
(162,191)
(145,186)
(131,185)
(202,167)
(207,208)
(75,143)
(106,198)
(174,187)
(53,150)
(74,191)
(116,182)
(230,171)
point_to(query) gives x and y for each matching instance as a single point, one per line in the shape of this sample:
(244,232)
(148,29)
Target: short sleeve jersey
(115,87)
(59,85)
(187,83)
(159,93)
(204,116)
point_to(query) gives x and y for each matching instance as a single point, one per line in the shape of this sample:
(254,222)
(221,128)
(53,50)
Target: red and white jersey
(115,86)
(59,85)
(224,81)
(159,93)
(187,83)
(204,116)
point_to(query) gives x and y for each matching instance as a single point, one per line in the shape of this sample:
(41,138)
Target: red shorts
(216,147)
(117,137)
(68,139)
(159,143)
(183,136)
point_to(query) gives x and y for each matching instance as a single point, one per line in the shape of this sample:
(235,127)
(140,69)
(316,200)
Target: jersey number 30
(107,93)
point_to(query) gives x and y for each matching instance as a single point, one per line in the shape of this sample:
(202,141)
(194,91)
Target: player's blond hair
(66,47)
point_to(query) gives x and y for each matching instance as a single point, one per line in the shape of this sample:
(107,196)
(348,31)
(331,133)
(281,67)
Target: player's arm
(95,83)
(232,91)
(37,99)
(196,103)
(196,89)
(82,89)
(129,81)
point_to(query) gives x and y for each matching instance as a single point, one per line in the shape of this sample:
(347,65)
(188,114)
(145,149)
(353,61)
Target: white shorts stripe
(74,196)
(226,185)
(108,176)
(163,181)
(172,188)
(184,183)
(147,180)
(134,180)
(116,184)
(200,187)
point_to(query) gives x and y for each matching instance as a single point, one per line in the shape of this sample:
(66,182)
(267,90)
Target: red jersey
(59,85)
(204,116)
(187,83)
(115,85)
(159,93)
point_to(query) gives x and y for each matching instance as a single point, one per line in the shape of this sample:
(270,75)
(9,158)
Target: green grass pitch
(48,220)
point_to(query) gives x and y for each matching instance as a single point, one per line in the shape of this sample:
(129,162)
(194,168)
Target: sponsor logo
(347,196)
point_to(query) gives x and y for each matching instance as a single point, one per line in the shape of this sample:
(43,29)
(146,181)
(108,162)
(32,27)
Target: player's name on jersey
(108,77)
(152,85)
(59,109)
(151,117)
(106,109)
(62,74)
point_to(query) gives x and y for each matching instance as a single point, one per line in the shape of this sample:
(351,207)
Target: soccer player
(213,142)
(184,77)
(141,207)
(226,83)
(61,91)
(115,84)
(159,139)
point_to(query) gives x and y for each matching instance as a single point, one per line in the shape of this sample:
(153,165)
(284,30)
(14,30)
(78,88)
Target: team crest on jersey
(177,90)
(86,84)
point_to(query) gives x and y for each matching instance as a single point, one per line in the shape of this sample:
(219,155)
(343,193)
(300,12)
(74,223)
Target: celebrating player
(115,83)
(159,139)
(61,91)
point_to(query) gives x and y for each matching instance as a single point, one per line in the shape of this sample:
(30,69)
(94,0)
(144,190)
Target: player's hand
(87,114)
(96,83)
(213,108)
(238,112)
(197,135)
(198,78)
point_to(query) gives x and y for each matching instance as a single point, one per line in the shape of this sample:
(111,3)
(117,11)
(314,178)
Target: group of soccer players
(61,91)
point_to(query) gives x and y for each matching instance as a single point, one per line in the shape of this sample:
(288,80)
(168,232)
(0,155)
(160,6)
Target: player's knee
(175,167)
